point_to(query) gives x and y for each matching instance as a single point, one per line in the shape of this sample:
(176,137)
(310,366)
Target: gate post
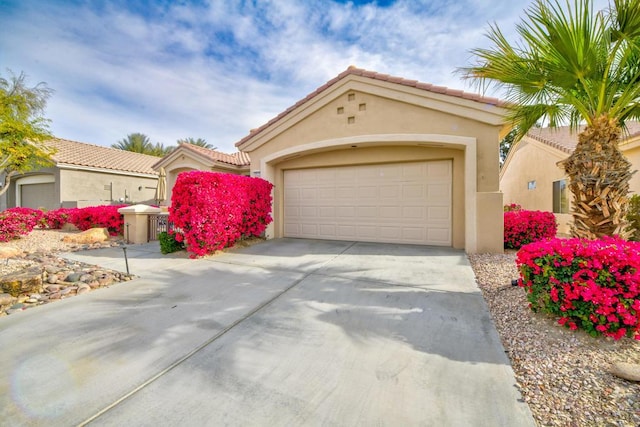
(137,218)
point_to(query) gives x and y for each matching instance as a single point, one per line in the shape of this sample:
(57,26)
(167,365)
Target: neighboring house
(532,177)
(187,157)
(85,175)
(371,157)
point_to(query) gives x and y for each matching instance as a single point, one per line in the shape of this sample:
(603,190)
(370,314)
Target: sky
(216,69)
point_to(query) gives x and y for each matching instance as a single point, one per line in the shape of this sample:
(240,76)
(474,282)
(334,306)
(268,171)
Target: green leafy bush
(169,244)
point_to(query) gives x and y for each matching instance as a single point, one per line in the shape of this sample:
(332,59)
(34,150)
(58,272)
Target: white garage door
(394,203)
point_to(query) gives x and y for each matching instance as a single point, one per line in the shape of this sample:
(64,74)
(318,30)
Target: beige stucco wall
(532,160)
(633,154)
(376,116)
(86,188)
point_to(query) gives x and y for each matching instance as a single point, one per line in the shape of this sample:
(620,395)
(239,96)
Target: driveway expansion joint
(211,340)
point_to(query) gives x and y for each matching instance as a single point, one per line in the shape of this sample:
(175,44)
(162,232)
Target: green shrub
(169,244)
(633,216)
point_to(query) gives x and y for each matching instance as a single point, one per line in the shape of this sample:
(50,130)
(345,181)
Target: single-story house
(187,157)
(85,175)
(532,177)
(372,157)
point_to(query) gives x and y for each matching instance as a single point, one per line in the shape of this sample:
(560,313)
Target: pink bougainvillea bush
(522,227)
(589,284)
(56,218)
(211,211)
(16,222)
(106,216)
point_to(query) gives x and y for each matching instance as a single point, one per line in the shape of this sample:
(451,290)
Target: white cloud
(216,70)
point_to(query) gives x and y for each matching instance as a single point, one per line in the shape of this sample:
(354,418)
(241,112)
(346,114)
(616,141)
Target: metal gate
(157,224)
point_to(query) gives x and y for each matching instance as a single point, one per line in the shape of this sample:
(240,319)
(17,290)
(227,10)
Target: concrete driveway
(286,332)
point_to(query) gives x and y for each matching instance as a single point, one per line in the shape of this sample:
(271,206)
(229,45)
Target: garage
(389,203)
(38,196)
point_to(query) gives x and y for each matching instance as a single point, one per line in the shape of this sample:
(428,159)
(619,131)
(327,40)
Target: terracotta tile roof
(377,76)
(563,139)
(235,159)
(97,156)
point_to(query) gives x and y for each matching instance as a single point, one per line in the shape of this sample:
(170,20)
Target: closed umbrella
(161,189)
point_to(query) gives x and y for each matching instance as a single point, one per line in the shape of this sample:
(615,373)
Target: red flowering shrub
(590,284)
(16,222)
(55,219)
(211,211)
(523,227)
(106,216)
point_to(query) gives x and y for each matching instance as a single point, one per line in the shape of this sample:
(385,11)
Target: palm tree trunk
(599,177)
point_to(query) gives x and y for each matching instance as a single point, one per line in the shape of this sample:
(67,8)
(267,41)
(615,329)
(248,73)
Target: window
(560,200)
(531,185)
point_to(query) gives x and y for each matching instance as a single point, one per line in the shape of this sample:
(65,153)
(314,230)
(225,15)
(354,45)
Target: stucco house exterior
(372,157)
(187,157)
(85,175)
(532,178)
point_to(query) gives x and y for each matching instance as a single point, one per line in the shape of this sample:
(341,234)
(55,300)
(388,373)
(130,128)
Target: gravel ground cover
(563,375)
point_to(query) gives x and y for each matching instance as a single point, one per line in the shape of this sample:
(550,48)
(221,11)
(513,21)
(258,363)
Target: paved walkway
(286,332)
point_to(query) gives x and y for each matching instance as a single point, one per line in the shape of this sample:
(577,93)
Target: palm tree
(573,66)
(140,143)
(136,142)
(200,142)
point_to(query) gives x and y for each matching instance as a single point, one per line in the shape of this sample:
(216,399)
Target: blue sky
(216,69)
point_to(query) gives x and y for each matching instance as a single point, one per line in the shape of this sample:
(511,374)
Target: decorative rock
(93,235)
(106,280)
(86,278)
(28,281)
(53,288)
(83,289)
(55,295)
(94,284)
(73,277)
(9,252)
(52,279)
(51,269)
(627,371)
(6,299)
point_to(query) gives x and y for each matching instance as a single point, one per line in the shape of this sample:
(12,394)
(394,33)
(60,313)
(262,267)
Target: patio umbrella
(161,189)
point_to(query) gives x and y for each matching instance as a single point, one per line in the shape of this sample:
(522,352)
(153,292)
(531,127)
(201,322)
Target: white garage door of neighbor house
(38,196)
(391,203)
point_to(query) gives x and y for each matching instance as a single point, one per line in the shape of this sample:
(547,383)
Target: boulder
(9,252)
(92,235)
(627,371)
(28,281)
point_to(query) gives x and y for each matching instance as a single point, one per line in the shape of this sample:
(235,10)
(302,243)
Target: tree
(140,143)
(506,143)
(23,127)
(574,66)
(200,142)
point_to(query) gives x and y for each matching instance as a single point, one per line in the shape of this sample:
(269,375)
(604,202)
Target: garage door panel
(345,212)
(397,203)
(345,232)
(413,191)
(390,212)
(439,214)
